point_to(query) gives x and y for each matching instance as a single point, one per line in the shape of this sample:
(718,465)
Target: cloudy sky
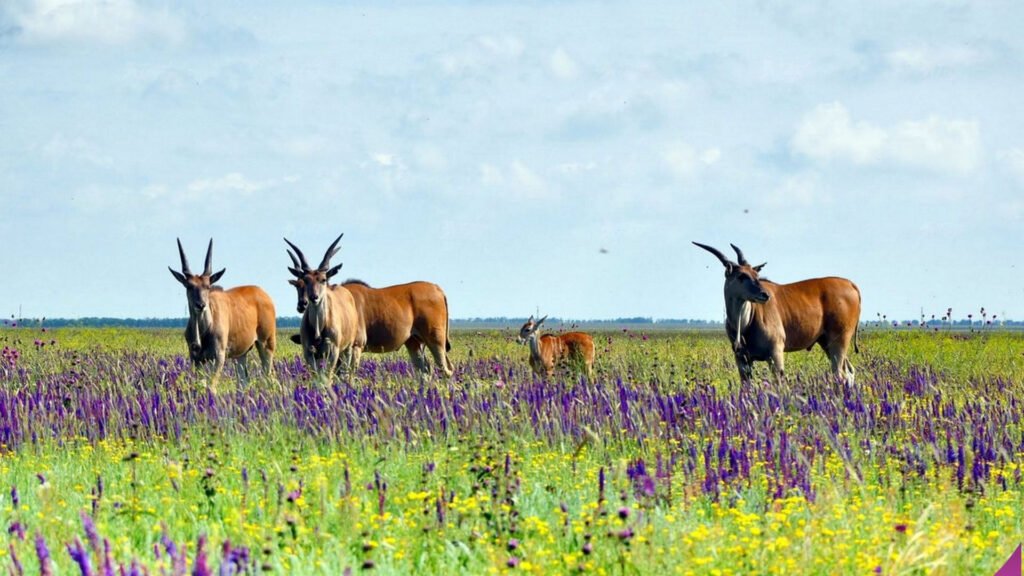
(496,148)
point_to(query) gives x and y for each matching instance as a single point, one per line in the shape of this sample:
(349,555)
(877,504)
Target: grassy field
(114,454)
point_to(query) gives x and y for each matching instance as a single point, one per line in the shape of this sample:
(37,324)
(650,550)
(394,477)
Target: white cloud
(505,46)
(386,160)
(517,179)
(710,156)
(797,190)
(527,180)
(391,172)
(562,65)
(685,161)
(491,175)
(935,144)
(484,52)
(102,21)
(301,146)
(61,147)
(1013,161)
(430,158)
(928,59)
(233,182)
(576,167)
(827,132)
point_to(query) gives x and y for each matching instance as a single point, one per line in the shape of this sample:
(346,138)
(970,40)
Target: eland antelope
(413,315)
(550,350)
(330,324)
(225,323)
(765,319)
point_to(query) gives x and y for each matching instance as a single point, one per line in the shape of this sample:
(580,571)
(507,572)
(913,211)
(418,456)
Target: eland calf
(765,319)
(225,323)
(550,350)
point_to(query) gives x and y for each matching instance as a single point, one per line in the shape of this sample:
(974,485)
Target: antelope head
(529,329)
(197,286)
(312,283)
(742,281)
(300,285)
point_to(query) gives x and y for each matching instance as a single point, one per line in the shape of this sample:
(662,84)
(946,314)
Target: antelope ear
(296,272)
(759,266)
(216,275)
(541,321)
(295,283)
(334,270)
(178,275)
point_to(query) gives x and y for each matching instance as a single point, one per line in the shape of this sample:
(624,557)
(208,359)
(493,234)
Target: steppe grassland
(114,454)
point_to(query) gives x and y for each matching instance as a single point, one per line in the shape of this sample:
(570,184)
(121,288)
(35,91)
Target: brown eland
(765,319)
(330,324)
(225,323)
(551,350)
(413,315)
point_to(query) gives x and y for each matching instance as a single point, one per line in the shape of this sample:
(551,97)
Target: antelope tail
(447,327)
(856,331)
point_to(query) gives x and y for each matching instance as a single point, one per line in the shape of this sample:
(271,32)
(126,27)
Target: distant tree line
(104,322)
(293,322)
(497,321)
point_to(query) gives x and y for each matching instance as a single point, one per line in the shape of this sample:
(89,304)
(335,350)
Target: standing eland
(412,315)
(550,350)
(765,319)
(225,323)
(330,324)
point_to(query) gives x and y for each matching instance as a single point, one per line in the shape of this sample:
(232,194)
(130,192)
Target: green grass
(453,505)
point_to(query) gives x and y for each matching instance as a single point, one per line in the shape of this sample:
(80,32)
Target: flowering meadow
(116,459)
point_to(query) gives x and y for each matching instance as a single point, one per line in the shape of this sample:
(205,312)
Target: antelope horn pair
(207,269)
(301,263)
(725,261)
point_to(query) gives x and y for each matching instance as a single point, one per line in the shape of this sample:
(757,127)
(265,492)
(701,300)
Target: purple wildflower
(233,560)
(439,506)
(16,568)
(201,568)
(81,556)
(108,560)
(91,533)
(43,553)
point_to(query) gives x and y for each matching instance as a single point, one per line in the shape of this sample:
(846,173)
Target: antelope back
(244,315)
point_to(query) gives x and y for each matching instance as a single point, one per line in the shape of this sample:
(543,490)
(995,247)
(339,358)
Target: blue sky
(496,148)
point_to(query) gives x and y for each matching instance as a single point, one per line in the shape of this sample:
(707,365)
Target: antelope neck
(738,314)
(534,343)
(201,321)
(316,313)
